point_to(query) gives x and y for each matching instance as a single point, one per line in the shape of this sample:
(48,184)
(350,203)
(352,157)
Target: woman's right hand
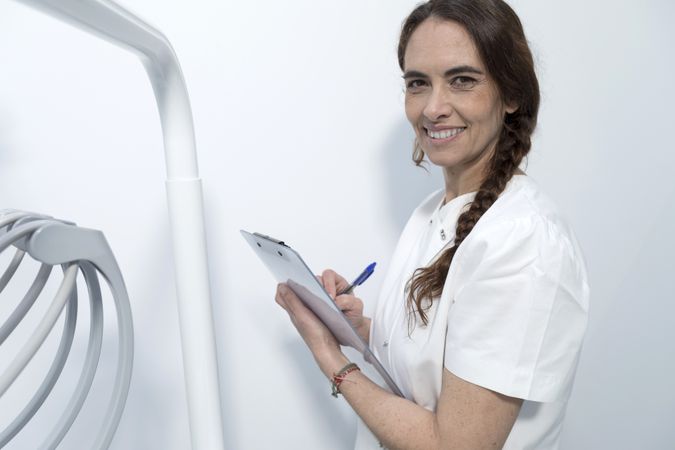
(351,306)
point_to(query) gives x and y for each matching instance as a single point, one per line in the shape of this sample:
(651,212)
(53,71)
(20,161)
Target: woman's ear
(510,108)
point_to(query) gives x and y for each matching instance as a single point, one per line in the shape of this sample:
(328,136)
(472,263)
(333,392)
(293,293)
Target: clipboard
(288,267)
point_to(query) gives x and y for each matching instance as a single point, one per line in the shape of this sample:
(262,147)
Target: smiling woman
(482,332)
(450,98)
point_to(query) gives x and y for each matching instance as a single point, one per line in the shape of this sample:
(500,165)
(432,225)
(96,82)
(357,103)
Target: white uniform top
(511,317)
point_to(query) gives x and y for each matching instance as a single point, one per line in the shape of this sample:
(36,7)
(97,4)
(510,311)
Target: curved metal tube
(125,358)
(11,269)
(90,363)
(24,306)
(115,24)
(9,216)
(52,376)
(19,232)
(40,334)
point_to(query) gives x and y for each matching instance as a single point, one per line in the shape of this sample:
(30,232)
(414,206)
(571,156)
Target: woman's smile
(444,135)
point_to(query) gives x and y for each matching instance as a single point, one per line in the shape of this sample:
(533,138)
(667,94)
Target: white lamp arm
(119,26)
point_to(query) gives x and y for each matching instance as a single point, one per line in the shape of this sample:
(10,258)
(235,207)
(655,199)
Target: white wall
(301,135)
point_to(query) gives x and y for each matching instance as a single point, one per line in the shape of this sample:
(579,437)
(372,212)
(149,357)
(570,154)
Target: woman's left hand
(317,336)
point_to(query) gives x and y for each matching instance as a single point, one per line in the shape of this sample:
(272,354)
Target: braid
(514,143)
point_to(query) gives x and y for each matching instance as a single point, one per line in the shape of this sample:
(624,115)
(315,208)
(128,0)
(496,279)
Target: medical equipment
(117,25)
(54,242)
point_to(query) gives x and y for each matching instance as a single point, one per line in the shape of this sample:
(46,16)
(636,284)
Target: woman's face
(452,104)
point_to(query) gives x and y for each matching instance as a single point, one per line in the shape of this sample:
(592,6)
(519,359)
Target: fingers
(279,298)
(302,317)
(349,303)
(328,278)
(287,299)
(333,283)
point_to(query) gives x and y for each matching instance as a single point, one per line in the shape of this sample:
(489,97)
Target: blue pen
(367,272)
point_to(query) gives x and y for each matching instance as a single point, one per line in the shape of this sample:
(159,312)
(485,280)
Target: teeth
(444,134)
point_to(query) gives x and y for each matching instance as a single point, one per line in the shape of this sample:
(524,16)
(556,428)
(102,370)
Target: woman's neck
(460,183)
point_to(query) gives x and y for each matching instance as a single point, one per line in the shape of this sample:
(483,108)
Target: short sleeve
(519,313)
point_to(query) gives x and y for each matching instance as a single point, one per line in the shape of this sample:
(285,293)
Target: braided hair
(498,35)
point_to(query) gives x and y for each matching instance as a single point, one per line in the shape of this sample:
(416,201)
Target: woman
(482,331)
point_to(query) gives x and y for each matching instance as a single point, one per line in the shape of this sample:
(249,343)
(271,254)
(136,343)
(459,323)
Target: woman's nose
(438,105)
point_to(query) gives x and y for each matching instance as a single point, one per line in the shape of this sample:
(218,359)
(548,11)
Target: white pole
(117,25)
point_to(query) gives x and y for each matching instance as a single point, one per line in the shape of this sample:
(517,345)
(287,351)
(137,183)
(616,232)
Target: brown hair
(501,43)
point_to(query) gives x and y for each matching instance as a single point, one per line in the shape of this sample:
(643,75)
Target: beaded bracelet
(339,377)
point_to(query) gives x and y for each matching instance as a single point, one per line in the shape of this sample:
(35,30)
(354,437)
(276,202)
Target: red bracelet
(340,376)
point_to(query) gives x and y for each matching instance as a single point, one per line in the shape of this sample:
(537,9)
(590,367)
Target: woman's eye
(415,84)
(463,82)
